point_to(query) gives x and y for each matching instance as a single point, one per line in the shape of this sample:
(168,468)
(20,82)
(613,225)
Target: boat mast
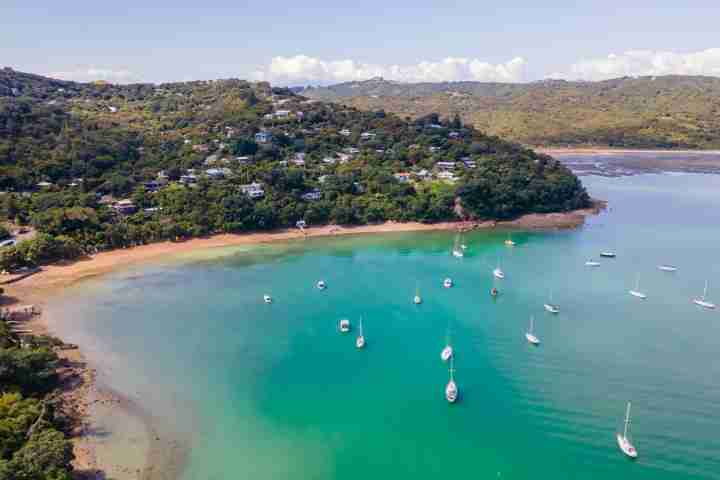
(627,420)
(532,320)
(452,368)
(705,290)
(361,332)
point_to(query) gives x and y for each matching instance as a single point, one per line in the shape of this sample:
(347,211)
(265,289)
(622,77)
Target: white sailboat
(498,273)
(702,300)
(447,352)
(607,254)
(457,251)
(267,298)
(623,441)
(667,268)
(592,263)
(451,389)
(417,299)
(530,336)
(636,291)
(321,285)
(552,307)
(447,283)
(509,242)
(360,340)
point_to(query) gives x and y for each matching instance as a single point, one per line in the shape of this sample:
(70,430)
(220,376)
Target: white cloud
(303,69)
(89,74)
(646,63)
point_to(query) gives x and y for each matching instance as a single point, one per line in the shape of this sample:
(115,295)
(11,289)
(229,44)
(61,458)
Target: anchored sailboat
(667,268)
(530,336)
(623,441)
(447,352)
(636,291)
(498,273)
(457,250)
(451,389)
(417,299)
(552,307)
(360,341)
(447,283)
(702,300)
(344,325)
(267,298)
(509,242)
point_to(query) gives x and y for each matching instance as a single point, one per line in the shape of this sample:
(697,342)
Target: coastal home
(422,174)
(367,135)
(352,150)
(329,160)
(312,195)
(124,207)
(299,159)
(402,177)
(253,190)
(263,137)
(454,135)
(215,173)
(345,132)
(188,179)
(202,148)
(448,176)
(282,113)
(211,159)
(445,166)
(152,186)
(44,184)
(470,163)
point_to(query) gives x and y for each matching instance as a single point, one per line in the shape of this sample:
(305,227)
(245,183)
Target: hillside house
(445,166)
(402,177)
(312,195)
(345,132)
(124,207)
(263,137)
(253,190)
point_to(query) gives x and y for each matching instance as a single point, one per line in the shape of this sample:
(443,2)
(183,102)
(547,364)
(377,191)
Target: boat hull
(446,354)
(637,294)
(704,304)
(551,308)
(667,268)
(451,392)
(532,339)
(497,273)
(360,342)
(626,447)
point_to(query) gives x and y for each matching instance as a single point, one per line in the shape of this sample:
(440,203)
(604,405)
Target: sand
(79,386)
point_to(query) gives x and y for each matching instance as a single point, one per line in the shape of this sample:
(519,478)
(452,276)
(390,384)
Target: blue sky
(329,41)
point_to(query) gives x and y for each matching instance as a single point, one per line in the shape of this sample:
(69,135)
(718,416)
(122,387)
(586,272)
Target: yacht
(494,292)
(623,441)
(321,285)
(417,299)
(702,300)
(447,352)
(667,268)
(344,325)
(360,340)
(448,283)
(608,254)
(451,390)
(550,306)
(592,263)
(267,298)
(636,291)
(531,338)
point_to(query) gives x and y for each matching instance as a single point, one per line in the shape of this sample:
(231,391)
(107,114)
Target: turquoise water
(274,391)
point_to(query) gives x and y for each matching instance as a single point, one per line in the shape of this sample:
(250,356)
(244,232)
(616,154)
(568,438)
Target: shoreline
(79,386)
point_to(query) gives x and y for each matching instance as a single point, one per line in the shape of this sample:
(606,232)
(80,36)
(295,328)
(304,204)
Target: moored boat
(267,298)
(592,263)
(360,340)
(344,325)
(447,283)
(667,268)
(635,292)
(321,285)
(702,301)
(530,336)
(623,441)
(608,254)
(451,389)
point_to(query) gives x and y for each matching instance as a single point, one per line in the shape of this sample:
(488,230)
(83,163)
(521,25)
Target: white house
(445,166)
(402,177)
(329,160)
(215,173)
(345,132)
(282,113)
(454,134)
(449,176)
(312,195)
(252,190)
(299,159)
(367,135)
(263,137)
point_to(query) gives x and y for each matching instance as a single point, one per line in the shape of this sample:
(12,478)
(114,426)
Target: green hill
(645,112)
(197,158)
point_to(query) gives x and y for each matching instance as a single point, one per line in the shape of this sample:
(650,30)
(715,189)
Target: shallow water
(274,391)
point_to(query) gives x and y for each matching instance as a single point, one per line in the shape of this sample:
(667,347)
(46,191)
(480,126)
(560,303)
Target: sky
(305,42)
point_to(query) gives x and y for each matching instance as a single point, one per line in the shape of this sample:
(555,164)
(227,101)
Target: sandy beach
(80,389)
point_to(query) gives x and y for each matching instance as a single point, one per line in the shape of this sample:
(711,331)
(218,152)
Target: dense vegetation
(646,112)
(185,153)
(33,442)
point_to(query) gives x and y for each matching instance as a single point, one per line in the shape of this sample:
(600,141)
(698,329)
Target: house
(200,148)
(44,184)
(367,135)
(282,113)
(263,137)
(445,166)
(358,188)
(402,177)
(344,157)
(422,174)
(434,149)
(188,179)
(322,178)
(252,190)
(449,176)
(454,135)
(352,150)
(345,132)
(152,186)
(215,173)
(329,160)
(268,116)
(124,207)
(470,163)
(211,159)
(312,195)
(243,160)
(299,159)
(162,177)
(435,125)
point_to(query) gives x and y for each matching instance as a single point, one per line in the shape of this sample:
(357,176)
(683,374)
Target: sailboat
(531,338)
(498,273)
(451,389)
(607,254)
(636,291)
(447,352)
(344,325)
(417,300)
(321,285)
(592,263)
(360,341)
(457,251)
(552,307)
(667,268)
(267,298)
(623,441)
(701,301)
(509,242)
(447,283)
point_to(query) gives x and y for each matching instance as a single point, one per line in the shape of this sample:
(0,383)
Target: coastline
(616,151)
(79,386)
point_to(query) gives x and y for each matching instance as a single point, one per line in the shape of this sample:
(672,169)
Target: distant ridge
(630,112)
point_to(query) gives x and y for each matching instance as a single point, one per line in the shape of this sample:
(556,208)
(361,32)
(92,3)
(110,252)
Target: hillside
(645,112)
(99,166)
